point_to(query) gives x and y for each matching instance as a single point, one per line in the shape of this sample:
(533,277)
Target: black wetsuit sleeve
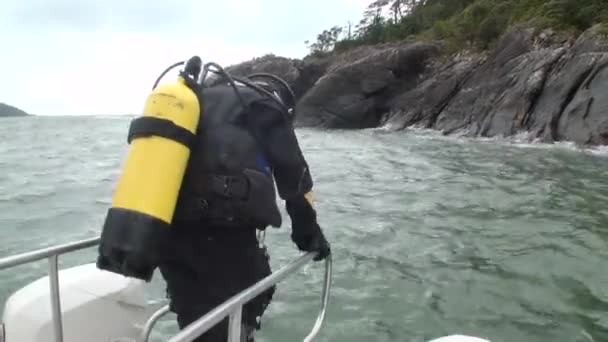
(280,145)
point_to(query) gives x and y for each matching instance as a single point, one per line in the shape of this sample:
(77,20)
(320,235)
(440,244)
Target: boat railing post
(233,308)
(55,299)
(234,325)
(147,329)
(52,255)
(324,301)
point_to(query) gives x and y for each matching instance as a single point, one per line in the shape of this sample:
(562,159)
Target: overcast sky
(75,57)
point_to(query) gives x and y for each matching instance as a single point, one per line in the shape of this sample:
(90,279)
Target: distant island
(6,110)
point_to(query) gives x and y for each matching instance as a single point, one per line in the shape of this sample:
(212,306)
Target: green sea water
(431,235)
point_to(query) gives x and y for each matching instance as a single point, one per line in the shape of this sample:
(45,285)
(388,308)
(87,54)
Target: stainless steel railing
(231,308)
(52,254)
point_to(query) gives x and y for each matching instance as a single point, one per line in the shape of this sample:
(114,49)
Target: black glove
(305,231)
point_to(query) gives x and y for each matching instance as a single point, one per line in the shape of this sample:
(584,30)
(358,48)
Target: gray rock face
(554,90)
(551,85)
(500,91)
(356,94)
(580,87)
(422,105)
(298,74)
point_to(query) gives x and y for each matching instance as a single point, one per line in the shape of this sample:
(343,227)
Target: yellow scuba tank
(146,194)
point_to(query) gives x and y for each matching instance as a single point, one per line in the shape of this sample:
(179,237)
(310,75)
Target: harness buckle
(229,181)
(203,204)
(231,187)
(261,237)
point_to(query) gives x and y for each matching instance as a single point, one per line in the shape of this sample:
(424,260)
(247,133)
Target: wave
(522,140)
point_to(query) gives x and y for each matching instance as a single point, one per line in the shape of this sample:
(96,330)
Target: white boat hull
(97,306)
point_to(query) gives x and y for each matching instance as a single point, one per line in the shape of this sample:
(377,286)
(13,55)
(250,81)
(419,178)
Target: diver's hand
(311,240)
(305,231)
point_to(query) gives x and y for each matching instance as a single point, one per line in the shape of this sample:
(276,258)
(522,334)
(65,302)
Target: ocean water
(431,235)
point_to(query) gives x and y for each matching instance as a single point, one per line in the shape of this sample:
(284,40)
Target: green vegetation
(474,24)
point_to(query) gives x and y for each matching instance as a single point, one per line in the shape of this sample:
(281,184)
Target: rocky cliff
(6,110)
(552,85)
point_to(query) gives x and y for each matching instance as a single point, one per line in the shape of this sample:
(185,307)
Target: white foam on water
(520,140)
(601,151)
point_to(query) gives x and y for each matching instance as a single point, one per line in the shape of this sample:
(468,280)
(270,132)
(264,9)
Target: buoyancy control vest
(228,181)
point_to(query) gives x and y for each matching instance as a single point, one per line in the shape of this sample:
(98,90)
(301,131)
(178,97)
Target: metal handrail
(324,301)
(147,329)
(52,254)
(44,253)
(233,306)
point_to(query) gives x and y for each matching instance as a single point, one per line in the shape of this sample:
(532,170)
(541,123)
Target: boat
(84,303)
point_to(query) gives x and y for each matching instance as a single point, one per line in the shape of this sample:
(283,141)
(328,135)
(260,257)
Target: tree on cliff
(462,23)
(325,41)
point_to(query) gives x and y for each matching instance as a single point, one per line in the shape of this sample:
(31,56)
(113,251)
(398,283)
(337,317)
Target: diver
(245,144)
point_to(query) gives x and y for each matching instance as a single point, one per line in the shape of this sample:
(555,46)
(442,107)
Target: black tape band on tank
(146,126)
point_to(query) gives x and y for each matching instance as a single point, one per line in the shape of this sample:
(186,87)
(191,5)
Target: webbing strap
(146,126)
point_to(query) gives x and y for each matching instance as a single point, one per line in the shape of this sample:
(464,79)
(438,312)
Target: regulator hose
(193,69)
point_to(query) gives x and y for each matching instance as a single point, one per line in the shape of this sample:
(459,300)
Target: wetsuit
(245,146)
